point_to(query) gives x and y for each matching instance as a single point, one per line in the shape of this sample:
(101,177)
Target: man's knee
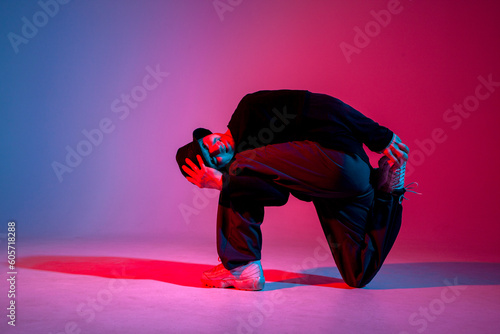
(355,283)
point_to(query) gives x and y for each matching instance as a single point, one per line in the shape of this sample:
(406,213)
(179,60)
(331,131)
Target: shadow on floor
(426,274)
(392,276)
(435,274)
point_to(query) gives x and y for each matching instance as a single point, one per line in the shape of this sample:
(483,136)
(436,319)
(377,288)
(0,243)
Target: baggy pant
(360,226)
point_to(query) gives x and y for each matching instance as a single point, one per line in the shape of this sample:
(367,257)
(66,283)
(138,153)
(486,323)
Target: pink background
(65,78)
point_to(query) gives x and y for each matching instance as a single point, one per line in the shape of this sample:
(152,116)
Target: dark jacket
(271,117)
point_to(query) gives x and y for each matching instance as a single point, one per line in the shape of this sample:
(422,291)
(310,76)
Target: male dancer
(308,145)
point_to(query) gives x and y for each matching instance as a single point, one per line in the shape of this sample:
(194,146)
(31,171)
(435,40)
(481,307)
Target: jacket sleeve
(375,136)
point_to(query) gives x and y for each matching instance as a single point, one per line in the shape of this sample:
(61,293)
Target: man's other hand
(203,177)
(397,152)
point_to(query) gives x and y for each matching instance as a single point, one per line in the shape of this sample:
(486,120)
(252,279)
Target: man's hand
(203,177)
(397,152)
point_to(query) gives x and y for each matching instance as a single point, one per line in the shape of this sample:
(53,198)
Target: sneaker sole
(250,284)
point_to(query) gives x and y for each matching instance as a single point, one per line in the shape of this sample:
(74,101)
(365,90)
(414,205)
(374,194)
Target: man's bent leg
(339,186)
(239,216)
(359,254)
(239,239)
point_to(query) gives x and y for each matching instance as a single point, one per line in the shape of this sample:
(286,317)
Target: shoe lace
(410,189)
(398,177)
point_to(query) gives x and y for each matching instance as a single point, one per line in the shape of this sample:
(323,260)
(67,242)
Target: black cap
(191,150)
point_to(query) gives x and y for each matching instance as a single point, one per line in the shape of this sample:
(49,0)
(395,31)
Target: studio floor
(132,286)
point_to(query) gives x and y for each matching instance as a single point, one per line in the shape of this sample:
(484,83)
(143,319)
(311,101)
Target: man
(309,145)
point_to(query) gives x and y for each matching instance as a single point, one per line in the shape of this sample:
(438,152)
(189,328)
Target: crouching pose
(311,146)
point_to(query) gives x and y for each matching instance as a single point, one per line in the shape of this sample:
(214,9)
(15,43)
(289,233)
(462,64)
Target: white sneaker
(247,277)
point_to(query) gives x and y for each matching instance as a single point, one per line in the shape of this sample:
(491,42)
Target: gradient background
(63,81)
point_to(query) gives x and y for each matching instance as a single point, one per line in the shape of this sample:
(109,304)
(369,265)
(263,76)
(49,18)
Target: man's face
(217,149)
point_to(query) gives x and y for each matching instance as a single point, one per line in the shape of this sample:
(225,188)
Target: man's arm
(374,135)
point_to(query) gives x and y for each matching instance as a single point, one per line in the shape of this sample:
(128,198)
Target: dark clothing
(308,145)
(339,185)
(272,117)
